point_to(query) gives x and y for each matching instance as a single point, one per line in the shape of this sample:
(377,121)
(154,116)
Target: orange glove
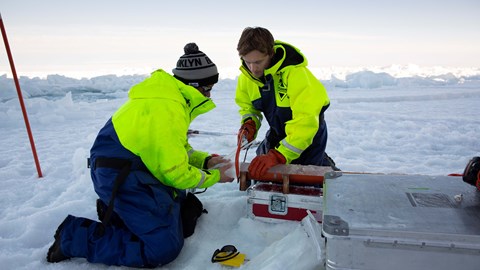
(262,163)
(248,130)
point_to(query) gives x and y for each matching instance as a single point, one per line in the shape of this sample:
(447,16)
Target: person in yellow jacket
(141,166)
(276,82)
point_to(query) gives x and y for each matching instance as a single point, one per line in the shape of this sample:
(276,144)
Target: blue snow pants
(151,232)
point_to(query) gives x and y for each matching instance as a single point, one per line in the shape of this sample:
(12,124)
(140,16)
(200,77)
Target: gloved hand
(262,163)
(248,130)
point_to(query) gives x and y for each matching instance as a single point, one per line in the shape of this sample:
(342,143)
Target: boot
(55,251)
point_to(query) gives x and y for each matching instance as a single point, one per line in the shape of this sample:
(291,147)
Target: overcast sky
(105,36)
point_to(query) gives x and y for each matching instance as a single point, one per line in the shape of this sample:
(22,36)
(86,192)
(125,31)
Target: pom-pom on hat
(195,68)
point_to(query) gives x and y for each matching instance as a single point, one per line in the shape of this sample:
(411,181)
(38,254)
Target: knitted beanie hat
(195,68)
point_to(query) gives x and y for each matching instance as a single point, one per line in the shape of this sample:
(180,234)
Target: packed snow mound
(369,80)
(109,86)
(365,79)
(57,86)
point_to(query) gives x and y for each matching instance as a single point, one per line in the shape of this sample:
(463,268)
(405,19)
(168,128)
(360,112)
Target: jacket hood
(285,56)
(161,85)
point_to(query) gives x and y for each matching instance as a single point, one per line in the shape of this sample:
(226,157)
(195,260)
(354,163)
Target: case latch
(278,205)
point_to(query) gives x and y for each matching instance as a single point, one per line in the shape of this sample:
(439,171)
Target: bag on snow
(190,210)
(471,174)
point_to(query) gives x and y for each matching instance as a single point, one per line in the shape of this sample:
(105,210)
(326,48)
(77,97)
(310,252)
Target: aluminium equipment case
(373,221)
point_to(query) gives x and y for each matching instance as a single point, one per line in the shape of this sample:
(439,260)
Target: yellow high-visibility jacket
(153,125)
(291,99)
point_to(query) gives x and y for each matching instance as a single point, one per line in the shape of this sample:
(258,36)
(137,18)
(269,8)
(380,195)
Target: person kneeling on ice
(141,166)
(276,82)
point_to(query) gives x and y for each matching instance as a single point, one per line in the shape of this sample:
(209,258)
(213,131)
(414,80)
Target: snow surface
(378,122)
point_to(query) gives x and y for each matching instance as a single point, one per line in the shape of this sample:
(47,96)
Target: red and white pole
(20,97)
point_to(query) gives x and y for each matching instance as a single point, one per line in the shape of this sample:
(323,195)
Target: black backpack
(471,173)
(191,209)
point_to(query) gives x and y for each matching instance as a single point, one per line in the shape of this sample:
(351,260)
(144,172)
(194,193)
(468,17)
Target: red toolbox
(285,193)
(266,201)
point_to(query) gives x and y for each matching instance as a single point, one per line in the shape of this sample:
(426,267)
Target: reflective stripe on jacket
(290,97)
